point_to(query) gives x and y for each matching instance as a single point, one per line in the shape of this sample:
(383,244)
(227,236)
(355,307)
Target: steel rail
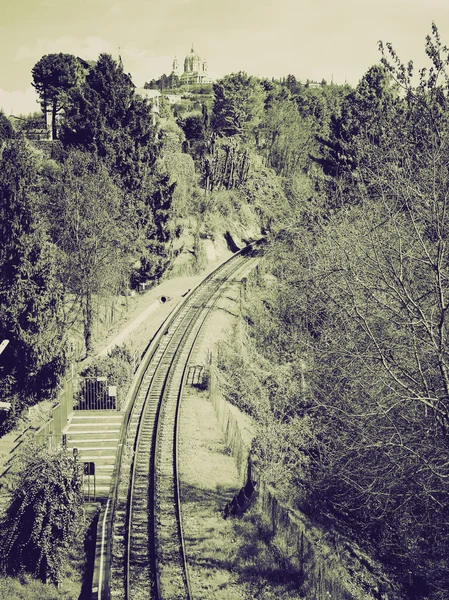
(100,585)
(157,367)
(160,424)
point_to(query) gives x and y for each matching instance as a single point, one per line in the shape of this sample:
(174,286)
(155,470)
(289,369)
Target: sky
(312,39)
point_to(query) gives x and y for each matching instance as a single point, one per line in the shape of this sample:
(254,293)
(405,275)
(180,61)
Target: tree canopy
(30,293)
(238,105)
(54,75)
(345,354)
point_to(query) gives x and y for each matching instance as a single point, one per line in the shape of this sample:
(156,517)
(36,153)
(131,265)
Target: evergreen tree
(6,129)
(154,224)
(105,116)
(54,75)
(367,112)
(30,295)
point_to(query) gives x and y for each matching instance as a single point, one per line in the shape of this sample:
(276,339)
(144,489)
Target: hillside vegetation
(342,350)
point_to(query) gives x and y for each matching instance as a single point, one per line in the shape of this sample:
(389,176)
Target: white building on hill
(195,69)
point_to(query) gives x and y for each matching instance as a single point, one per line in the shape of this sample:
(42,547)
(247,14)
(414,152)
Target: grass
(76,581)
(233,558)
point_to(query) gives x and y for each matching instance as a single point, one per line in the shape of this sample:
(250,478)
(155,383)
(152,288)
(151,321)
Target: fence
(51,432)
(238,437)
(94,393)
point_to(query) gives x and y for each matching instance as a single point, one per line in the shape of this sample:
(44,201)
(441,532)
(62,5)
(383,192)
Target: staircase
(95,434)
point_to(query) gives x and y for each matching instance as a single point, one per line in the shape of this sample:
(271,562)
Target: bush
(117,368)
(42,520)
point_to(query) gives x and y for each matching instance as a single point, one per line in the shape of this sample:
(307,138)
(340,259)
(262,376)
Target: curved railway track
(142,547)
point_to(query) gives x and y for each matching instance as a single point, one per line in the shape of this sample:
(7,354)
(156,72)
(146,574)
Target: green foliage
(353,311)
(238,105)
(165,82)
(284,136)
(28,588)
(171,137)
(85,211)
(268,393)
(54,75)
(263,191)
(30,295)
(195,130)
(369,112)
(226,166)
(116,367)
(105,116)
(6,129)
(180,168)
(154,222)
(43,517)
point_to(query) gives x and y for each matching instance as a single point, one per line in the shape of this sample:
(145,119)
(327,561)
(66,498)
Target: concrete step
(96,435)
(89,439)
(101,493)
(104,459)
(92,450)
(91,446)
(100,478)
(105,412)
(92,427)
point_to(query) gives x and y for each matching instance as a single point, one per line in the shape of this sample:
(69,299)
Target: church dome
(192,62)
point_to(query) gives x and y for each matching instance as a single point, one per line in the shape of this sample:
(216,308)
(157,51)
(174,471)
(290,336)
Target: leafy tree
(30,295)
(356,309)
(238,105)
(42,520)
(54,75)
(368,112)
(285,137)
(89,224)
(107,118)
(193,127)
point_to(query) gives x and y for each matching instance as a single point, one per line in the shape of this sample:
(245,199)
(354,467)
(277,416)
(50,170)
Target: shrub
(41,522)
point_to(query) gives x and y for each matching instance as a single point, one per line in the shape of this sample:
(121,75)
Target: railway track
(142,548)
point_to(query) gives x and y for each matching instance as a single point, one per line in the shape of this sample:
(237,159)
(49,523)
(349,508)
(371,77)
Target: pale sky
(311,39)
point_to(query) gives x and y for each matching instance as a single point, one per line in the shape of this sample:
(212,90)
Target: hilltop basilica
(195,69)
